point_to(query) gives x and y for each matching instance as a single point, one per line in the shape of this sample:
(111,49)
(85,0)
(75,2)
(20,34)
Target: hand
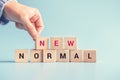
(25,17)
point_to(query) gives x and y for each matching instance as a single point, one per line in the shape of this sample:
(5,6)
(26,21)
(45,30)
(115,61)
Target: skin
(25,17)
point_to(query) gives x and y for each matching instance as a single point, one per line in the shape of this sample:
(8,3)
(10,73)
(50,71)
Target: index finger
(39,25)
(31,29)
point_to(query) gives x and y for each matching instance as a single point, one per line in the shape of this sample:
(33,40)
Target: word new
(61,50)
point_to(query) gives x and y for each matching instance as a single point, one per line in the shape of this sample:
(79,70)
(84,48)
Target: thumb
(31,29)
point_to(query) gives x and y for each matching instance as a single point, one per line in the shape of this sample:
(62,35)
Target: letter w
(70,43)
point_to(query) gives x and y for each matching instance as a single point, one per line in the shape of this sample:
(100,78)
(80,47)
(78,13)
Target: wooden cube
(49,55)
(89,55)
(56,43)
(41,43)
(70,42)
(21,55)
(36,55)
(75,55)
(62,55)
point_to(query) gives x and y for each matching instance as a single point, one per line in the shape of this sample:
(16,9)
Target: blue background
(95,23)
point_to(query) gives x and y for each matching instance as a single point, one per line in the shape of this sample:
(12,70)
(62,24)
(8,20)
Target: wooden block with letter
(62,55)
(76,56)
(89,55)
(70,43)
(21,55)
(41,43)
(49,55)
(56,43)
(36,55)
